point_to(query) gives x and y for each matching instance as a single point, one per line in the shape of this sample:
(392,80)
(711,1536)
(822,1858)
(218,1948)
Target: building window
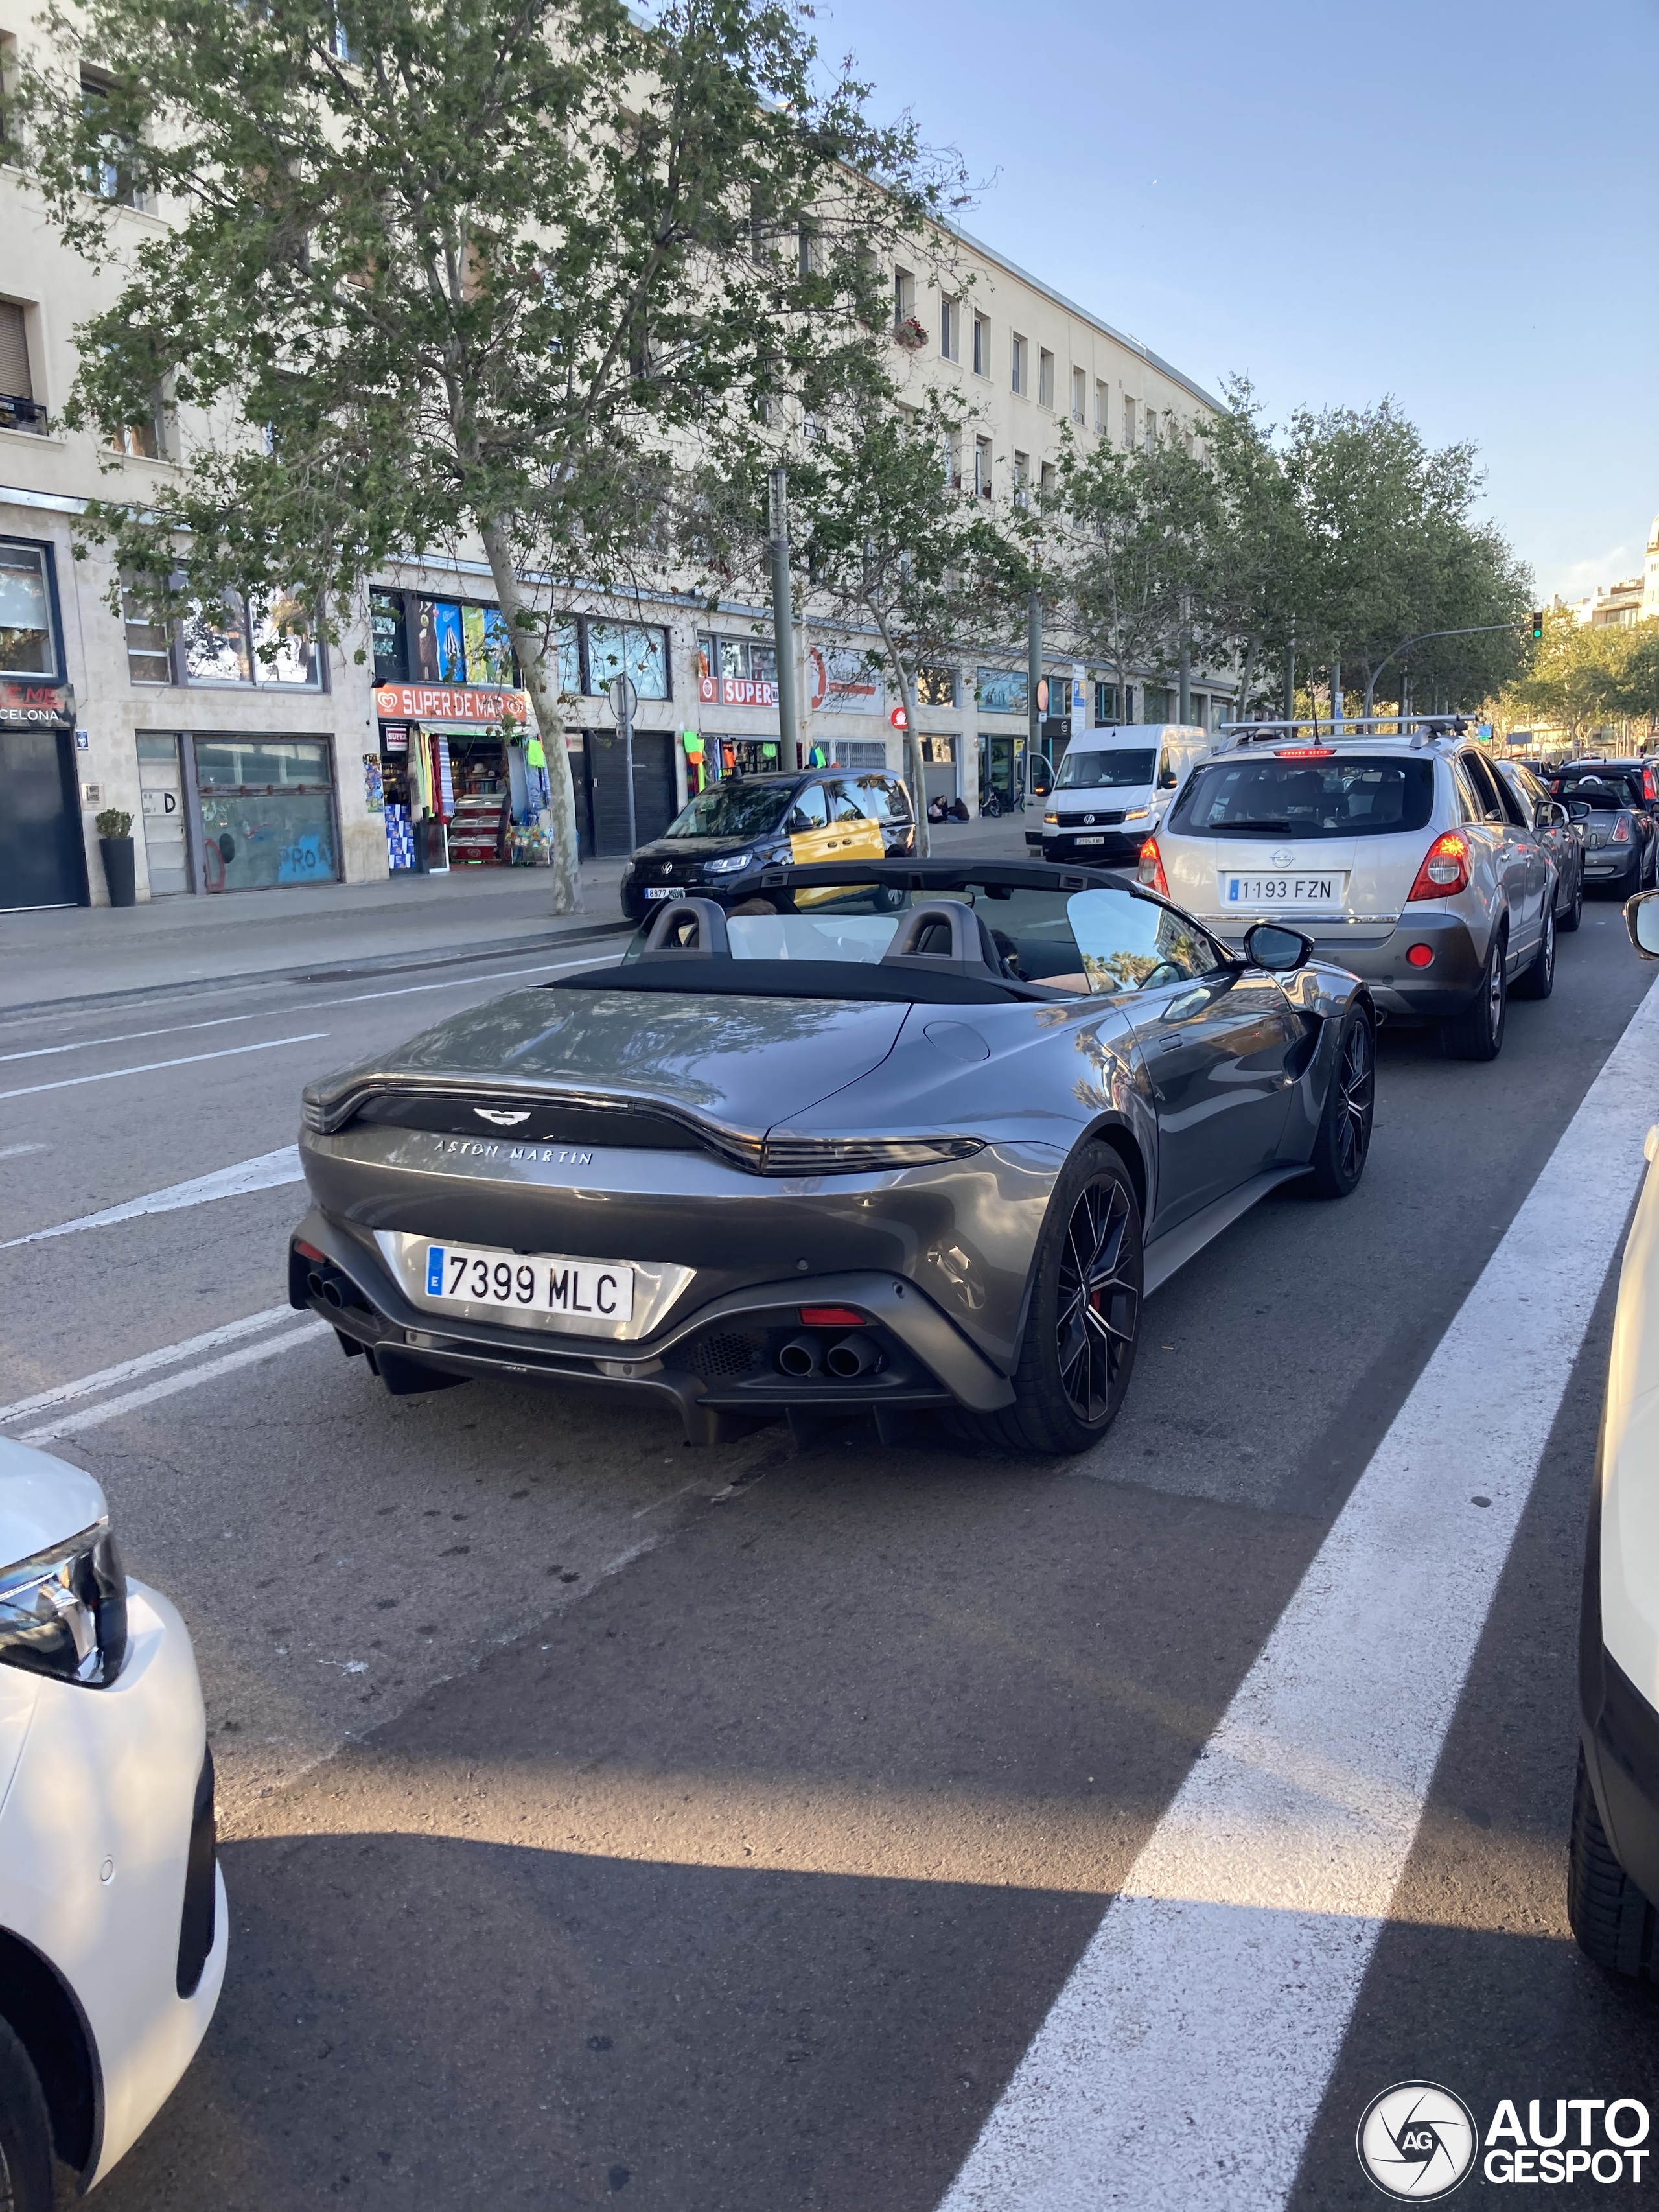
(951,454)
(267,812)
(1079,395)
(1047,486)
(981,346)
(109,175)
(1151,427)
(29,631)
(1022,480)
(904,297)
(628,649)
(149,650)
(19,409)
(1045,379)
(1103,400)
(950,327)
(387,637)
(454,642)
(982,467)
(146,441)
(265,642)
(1002,690)
(1106,714)
(936,687)
(1128,421)
(1017,371)
(809,250)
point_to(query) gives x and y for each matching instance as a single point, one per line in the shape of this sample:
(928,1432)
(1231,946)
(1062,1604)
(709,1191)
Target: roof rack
(1420,728)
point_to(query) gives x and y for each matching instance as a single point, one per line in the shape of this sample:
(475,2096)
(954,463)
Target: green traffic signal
(1538,621)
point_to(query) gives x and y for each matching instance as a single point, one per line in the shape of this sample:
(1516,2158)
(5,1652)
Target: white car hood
(42,1501)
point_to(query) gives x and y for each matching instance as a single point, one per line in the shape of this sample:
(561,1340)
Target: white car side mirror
(1642,920)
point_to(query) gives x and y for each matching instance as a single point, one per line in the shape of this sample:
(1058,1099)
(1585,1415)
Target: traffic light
(1538,621)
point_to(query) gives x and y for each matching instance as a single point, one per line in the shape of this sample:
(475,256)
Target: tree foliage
(489,277)
(1582,677)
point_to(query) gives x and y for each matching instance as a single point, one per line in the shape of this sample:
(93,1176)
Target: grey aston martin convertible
(887,1135)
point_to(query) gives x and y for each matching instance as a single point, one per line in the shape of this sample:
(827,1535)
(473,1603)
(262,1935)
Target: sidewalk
(84,956)
(81,955)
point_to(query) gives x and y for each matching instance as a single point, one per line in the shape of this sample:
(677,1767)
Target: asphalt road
(605,1818)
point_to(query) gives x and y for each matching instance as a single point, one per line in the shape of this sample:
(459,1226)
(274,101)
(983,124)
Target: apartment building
(252,768)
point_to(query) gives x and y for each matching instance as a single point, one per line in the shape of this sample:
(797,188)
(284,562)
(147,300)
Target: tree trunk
(550,722)
(912,761)
(1247,674)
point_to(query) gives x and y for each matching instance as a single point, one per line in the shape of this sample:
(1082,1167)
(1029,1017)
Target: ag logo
(1416,2142)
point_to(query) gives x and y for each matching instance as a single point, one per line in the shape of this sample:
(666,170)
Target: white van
(1112,786)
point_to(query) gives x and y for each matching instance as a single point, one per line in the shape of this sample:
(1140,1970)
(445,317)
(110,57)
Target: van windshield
(1114,764)
(733,809)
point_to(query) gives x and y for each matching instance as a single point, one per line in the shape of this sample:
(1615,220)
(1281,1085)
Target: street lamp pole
(1475,629)
(783,615)
(1033,678)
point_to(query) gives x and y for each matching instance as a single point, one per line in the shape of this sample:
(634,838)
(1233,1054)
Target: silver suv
(1404,857)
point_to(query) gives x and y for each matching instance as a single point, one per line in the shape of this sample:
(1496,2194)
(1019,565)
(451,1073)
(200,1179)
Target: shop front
(42,852)
(454,781)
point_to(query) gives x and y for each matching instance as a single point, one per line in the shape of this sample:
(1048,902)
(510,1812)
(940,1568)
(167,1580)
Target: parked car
(722,839)
(113,1922)
(1635,778)
(1113,787)
(1620,836)
(1613,1866)
(1561,837)
(922,1136)
(1407,860)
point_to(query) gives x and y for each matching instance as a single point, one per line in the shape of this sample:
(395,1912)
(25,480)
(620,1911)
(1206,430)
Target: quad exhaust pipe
(799,1356)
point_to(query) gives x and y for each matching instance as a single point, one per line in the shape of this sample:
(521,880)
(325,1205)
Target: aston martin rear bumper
(719,1359)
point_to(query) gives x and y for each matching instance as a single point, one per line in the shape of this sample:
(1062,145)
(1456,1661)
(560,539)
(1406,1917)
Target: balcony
(17,413)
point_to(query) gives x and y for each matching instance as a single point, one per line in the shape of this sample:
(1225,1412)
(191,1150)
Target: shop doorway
(607,788)
(42,858)
(161,796)
(1003,763)
(267,812)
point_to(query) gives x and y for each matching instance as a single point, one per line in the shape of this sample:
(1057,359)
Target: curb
(335,971)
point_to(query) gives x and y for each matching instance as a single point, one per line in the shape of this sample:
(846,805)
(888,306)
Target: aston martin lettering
(472,1275)
(549,1156)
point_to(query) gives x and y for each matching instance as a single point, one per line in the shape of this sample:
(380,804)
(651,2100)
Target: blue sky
(1452,201)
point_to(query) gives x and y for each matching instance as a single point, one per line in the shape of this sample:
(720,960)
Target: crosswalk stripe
(145,1363)
(1183,2064)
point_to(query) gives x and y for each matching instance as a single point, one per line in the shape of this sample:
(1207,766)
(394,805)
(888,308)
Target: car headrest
(684,926)
(944,929)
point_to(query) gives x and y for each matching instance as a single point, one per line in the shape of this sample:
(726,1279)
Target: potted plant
(115,843)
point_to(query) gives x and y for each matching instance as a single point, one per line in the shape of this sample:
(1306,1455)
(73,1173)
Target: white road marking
(91,1044)
(497,976)
(188,1060)
(169,1355)
(1183,2064)
(16,1152)
(67,1424)
(266,1171)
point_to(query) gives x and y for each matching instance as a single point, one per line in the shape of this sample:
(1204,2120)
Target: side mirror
(1167,780)
(1270,946)
(1642,920)
(1579,809)
(1042,783)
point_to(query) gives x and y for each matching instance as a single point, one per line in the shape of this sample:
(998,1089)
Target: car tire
(1615,1925)
(26,2179)
(1345,1127)
(1537,980)
(1569,918)
(1478,1032)
(1083,1315)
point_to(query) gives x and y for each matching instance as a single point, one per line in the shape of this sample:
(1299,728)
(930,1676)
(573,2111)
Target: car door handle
(1170,1043)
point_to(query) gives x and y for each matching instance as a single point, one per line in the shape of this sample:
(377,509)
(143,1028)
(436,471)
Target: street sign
(1043,695)
(897,718)
(623,700)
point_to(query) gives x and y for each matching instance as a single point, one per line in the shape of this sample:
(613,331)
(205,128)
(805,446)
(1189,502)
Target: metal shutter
(14,353)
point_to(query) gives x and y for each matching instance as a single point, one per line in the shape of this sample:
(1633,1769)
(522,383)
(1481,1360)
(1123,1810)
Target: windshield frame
(1081,753)
(727,791)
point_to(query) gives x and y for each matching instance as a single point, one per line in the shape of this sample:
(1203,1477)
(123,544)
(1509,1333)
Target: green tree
(1583,677)
(1129,555)
(444,272)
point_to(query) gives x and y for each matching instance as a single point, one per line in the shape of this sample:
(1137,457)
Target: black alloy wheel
(1345,1127)
(25,2176)
(1478,1032)
(1099,1302)
(1083,1315)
